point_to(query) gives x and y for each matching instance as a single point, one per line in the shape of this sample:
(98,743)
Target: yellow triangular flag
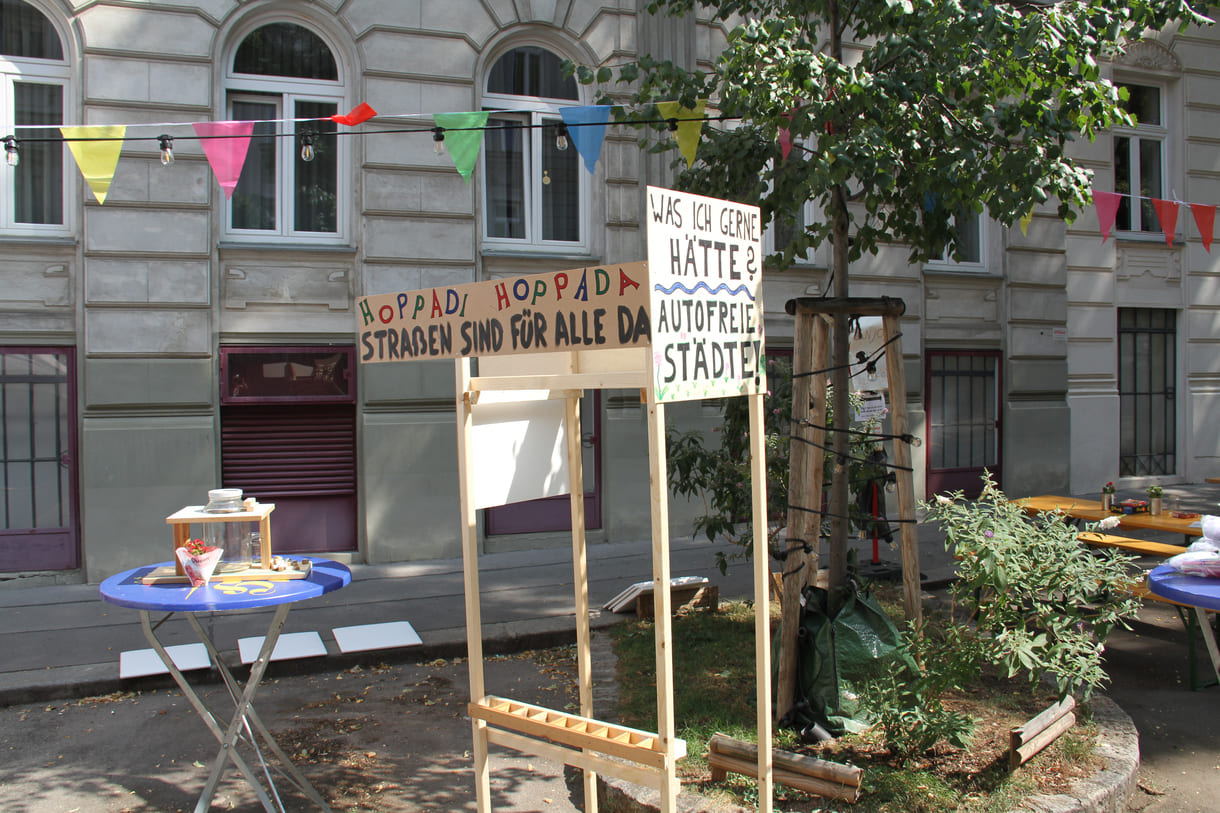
(1025,220)
(690,126)
(96,159)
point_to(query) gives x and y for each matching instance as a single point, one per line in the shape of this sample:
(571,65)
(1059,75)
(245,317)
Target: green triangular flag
(463,135)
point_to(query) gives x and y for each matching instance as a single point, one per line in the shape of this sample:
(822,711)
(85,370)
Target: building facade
(176,338)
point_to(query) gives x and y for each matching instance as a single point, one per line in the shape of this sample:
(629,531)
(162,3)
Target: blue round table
(127,590)
(1199,592)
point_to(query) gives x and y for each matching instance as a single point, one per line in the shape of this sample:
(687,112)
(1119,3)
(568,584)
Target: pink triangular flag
(1205,219)
(785,142)
(1167,214)
(1107,210)
(359,114)
(225,143)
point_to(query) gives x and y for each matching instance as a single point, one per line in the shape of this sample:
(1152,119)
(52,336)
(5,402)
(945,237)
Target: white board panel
(520,448)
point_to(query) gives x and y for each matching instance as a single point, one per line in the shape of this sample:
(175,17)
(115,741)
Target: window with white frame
(1139,159)
(535,190)
(970,243)
(284,77)
(33,82)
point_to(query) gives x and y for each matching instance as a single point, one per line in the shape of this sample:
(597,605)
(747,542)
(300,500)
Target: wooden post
(580,579)
(762,607)
(470,573)
(907,535)
(662,601)
(804,491)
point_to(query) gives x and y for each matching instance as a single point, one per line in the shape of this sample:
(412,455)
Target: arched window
(535,192)
(33,80)
(290,187)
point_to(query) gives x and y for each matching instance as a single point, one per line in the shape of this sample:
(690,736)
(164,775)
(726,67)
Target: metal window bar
(21,387)
(1147,370)
(963,394)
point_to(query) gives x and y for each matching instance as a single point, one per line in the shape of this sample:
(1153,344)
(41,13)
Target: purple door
(288,437)
(555,513)
(962,389)
(38,516)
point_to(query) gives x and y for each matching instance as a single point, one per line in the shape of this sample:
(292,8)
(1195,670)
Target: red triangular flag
(1205,219)
(1107,210)
(360,113)
(1167,214)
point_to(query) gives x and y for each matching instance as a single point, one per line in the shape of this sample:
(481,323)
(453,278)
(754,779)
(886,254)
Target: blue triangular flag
(587,130)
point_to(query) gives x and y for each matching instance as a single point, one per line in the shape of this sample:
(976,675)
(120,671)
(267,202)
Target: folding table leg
(1209,639)
(205,713)
(285,767)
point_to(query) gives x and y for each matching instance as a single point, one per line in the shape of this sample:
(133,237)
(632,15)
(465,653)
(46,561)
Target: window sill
(38,240)
(262,247)
(1146,238)
(540,252)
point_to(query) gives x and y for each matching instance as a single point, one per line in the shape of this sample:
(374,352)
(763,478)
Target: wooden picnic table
(1091,511)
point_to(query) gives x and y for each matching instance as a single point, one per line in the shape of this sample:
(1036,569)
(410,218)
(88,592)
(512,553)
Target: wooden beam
(849,305)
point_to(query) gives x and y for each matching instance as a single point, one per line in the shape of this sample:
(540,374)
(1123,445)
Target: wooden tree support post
(805,309)
(1041,731)
(829,780)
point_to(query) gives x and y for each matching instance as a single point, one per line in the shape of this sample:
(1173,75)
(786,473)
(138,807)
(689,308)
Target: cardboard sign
(581,309)
(705,287)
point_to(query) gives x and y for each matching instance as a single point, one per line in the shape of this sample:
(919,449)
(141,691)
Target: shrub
(1040,602)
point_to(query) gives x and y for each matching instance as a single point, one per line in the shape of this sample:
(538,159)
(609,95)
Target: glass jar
(231,536)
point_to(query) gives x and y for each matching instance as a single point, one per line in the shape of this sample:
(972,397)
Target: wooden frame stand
(644,758)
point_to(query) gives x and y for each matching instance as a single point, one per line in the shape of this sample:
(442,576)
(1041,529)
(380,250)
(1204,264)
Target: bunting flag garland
(463,136)
(1025,220)
(690,126)
(358,115)
(96,154)
(1106,204)
(1166,212)
(225,143)
(1167,215)
(1205,219)
(588,130)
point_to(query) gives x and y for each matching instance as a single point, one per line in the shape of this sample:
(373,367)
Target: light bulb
(546,178)
(561,138)
(438,140)
(11,156)
(167,149)
(307,152)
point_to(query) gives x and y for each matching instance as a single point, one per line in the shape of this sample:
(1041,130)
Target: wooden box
(182,520)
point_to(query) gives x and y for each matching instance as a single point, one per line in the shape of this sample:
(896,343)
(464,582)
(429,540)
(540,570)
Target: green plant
(908,704)
(1040,605)
(719,472)
(1155,491)
(1108,488)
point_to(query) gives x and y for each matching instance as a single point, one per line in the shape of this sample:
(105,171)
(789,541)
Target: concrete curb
(1107,791)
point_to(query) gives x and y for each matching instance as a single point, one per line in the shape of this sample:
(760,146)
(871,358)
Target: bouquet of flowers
(1108,488)
(198,561)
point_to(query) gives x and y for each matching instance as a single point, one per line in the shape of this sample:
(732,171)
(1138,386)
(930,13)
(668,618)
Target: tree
(904,114)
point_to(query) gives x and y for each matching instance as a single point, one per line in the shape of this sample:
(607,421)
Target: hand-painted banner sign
(581,309)
(705,281)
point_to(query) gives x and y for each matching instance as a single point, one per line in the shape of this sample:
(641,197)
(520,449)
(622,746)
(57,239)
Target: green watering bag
(835,657)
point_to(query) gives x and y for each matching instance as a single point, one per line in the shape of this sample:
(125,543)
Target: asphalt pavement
(61,644)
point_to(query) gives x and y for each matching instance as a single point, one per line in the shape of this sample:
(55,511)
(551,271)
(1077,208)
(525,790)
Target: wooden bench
(1141,547)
